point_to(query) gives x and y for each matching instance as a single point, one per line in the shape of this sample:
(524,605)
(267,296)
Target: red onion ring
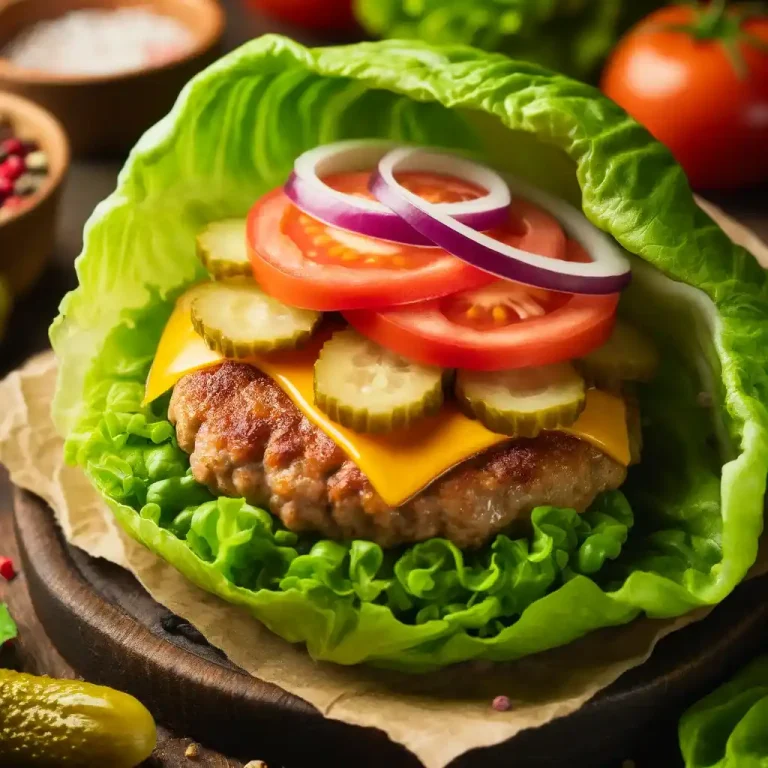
(608,272)
(310,194)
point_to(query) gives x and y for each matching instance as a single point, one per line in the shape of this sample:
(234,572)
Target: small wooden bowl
(27,238)
(106,114)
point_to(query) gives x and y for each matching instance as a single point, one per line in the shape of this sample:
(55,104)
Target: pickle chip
(628,355)
(238,320)
(222,249)
(367,388)
(187,299)
(525,401)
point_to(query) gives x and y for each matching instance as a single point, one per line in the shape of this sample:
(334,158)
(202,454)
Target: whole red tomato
(313,14)
(697,78)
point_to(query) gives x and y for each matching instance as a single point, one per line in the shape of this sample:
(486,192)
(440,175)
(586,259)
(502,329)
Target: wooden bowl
(106,114)
(27,238)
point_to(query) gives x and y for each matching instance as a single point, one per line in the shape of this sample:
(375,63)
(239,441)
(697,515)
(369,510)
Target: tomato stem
(715,21)
(732,52)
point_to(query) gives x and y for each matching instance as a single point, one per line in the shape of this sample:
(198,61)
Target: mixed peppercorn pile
(23,169)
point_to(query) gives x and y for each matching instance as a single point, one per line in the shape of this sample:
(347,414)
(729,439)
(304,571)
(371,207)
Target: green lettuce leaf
(312,590)
(684,530)
(7,625)
(570,36)
(729,728)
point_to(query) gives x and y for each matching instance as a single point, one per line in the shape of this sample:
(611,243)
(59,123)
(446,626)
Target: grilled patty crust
(246,438)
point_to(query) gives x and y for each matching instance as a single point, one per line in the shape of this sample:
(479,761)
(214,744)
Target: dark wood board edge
(240,715)
(34,653)
(636,715)
(226,709)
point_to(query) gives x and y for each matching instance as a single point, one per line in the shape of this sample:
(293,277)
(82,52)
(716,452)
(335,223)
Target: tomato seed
(499,314)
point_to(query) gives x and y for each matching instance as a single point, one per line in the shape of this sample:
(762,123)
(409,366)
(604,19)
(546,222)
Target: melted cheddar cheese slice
(398,464)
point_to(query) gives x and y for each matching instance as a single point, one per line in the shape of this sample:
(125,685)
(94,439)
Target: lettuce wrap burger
(420,355)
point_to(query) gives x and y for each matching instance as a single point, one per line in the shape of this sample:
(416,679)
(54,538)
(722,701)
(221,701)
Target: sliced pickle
(239,320)
(367,388)
(221,247)
(522,402)
(186,300)
(628,355)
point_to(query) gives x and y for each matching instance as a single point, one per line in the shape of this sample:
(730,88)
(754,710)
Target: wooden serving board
(112,632)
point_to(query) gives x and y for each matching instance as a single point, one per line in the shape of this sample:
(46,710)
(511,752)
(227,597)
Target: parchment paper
(437,716)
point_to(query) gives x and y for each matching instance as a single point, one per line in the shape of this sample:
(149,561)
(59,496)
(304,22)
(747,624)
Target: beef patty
(246,438)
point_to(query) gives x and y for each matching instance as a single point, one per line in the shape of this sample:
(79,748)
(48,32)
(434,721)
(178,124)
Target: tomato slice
(306,263)
(497,327)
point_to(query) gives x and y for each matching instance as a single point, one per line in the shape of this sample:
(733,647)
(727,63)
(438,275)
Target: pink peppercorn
(13,146)
(13,202)
(502,704)
(7,571)
(6,188)
(12,167)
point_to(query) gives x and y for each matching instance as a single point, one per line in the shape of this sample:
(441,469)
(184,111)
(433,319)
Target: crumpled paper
(436,716)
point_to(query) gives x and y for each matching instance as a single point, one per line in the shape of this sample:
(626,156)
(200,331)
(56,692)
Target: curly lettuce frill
(431,589)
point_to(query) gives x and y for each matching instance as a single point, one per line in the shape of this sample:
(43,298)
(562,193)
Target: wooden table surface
(88,183)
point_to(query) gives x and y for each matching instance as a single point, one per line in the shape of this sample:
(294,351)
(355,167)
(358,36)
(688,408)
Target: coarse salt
(99,42)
